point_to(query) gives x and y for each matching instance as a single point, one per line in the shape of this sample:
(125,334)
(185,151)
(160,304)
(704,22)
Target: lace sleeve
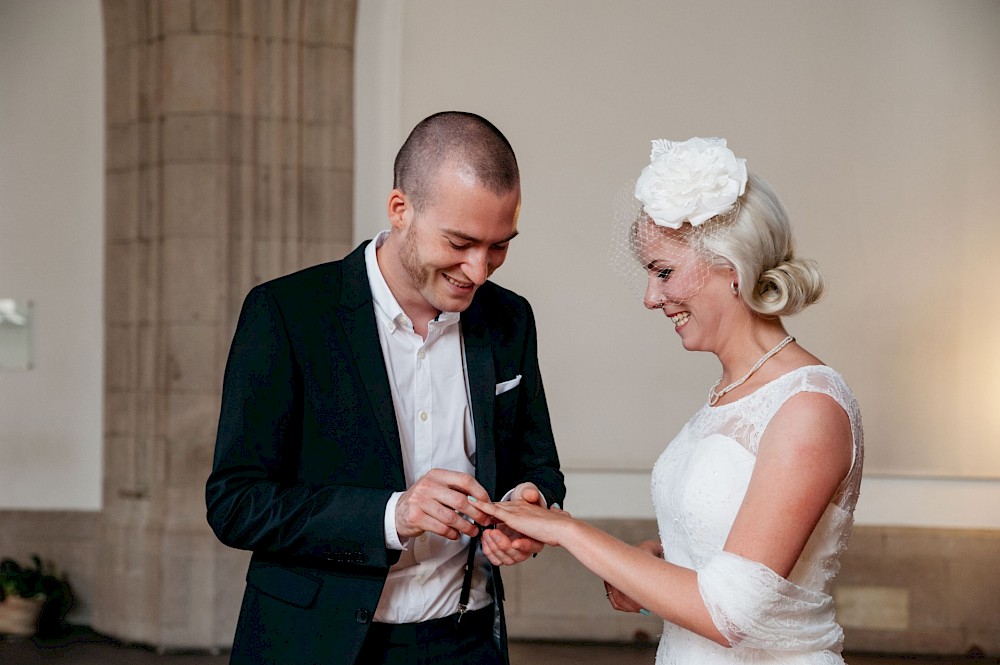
(755,608)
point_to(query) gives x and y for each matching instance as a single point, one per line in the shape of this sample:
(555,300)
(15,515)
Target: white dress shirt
(427,378)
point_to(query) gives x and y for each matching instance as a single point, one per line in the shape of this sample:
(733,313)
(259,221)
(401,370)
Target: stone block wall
(901,590)
(229,162)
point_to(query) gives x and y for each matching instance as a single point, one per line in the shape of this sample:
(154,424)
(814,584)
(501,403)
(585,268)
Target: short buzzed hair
(457,138)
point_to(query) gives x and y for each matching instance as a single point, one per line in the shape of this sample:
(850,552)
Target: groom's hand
(504,546)
(437,503)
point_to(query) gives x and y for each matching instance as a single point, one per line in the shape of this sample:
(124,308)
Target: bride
(755,496)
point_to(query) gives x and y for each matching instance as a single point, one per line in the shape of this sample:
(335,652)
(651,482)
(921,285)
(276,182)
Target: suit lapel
(482,394)
(357,314)
(482,386)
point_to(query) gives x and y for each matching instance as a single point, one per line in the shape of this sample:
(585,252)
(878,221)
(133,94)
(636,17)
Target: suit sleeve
(255,496)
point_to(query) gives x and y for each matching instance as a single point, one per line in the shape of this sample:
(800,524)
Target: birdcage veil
(665,220)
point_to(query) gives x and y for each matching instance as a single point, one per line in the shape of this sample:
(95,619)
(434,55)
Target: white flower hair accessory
(690,181)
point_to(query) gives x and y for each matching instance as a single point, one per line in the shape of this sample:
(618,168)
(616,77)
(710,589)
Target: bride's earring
(735,288)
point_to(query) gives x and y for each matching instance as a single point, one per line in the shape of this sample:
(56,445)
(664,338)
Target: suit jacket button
(363,616)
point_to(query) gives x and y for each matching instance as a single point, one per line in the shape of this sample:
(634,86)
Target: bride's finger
(488,508)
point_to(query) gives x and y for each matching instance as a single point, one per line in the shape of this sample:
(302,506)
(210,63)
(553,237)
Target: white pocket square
(508,385)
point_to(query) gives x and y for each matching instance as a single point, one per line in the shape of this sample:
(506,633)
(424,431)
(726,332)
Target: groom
(368,405)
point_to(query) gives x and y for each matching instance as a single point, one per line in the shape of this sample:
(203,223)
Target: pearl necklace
(714,397)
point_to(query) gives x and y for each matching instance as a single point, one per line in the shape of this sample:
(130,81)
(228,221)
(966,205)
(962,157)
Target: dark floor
(83,647)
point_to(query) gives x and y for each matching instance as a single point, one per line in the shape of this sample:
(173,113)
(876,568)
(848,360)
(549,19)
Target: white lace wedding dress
(698,484)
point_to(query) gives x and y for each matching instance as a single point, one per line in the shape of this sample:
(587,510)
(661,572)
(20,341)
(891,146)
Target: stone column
(229,161)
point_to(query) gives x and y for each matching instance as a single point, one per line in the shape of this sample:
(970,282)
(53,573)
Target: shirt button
(421,354)
(423,538)
(423,416)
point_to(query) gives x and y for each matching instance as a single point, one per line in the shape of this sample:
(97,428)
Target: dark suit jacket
(308,452)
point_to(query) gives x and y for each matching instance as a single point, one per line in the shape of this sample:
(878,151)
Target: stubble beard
(416,270)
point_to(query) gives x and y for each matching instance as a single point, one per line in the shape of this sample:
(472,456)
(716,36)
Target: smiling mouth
(680,318)
(456,283)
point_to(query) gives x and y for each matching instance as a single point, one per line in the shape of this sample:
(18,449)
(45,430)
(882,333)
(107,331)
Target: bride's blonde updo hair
(697,195)
(757,242)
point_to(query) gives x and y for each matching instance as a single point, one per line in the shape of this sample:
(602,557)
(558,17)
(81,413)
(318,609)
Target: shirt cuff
(392,540)
(506,497)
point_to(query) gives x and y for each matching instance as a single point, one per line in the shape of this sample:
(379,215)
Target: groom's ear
(399,209)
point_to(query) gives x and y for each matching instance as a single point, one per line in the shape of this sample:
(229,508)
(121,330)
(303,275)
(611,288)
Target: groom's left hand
(504,546)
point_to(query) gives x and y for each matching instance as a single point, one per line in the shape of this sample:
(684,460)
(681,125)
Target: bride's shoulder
(814,374)
(821,379)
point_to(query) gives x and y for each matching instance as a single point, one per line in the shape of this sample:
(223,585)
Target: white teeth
(457,283)
(680,318)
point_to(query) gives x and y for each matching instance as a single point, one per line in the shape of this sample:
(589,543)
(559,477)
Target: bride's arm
(804,455)
(663,588)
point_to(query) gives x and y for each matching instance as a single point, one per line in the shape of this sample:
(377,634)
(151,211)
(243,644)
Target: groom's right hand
(436,503)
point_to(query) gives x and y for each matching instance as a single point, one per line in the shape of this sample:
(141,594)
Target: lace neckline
(767,385)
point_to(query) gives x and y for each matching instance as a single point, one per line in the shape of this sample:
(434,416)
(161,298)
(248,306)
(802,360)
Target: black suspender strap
(470,564)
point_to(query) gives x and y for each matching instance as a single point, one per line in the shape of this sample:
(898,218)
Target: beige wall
(895,105)
(51,239)
(899,130)
(878,123)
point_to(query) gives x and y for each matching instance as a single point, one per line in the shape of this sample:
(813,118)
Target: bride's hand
(619,600)
(504,546)
(545,525)
(654,547)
